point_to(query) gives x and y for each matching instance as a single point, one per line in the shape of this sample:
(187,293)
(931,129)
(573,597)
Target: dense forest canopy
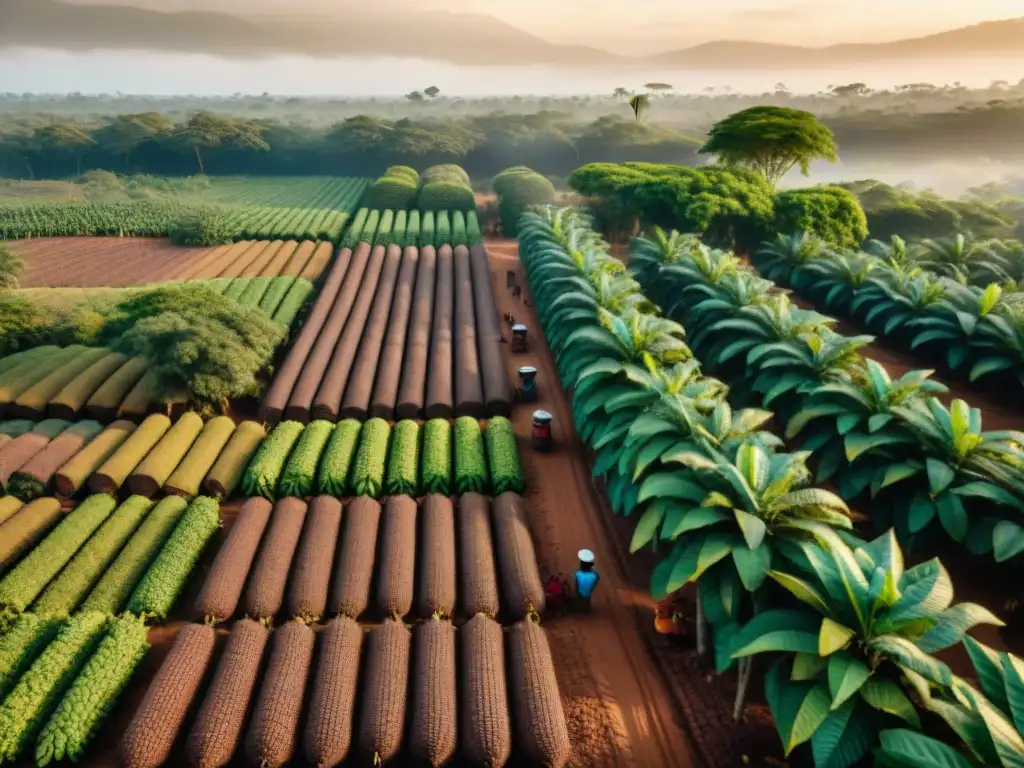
(46,136)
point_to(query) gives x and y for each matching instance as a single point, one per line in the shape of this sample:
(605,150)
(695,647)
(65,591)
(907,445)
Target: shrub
(446,195)
(503,456)
(832,213)
(204,227)
(11,267)
(470,465)
(368,471)
(398,192)
(518,189)
(196,341)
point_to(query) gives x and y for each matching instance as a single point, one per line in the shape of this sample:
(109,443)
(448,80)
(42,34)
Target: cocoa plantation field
(273,500)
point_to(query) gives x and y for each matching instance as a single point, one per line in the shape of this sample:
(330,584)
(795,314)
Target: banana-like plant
(837,279)
(780,259)
(989,723)
(963,463)
(864,625)
(733,511)
(660,249)
(850,426)
(953,323)
(967,261)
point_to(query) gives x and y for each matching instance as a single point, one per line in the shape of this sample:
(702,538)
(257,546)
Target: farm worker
(554,595)
(586,578)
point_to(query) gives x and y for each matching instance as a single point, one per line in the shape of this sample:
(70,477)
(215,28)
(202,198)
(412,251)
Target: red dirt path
(91,262)
(620,709)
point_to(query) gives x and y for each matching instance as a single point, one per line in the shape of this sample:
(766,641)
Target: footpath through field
(619,708)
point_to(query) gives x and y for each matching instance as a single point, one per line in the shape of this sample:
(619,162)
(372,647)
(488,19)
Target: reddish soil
(91,262)
(622,707)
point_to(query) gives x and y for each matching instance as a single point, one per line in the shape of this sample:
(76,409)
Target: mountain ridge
(453,37)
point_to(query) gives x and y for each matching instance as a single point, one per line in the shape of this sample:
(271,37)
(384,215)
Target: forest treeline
(53,144)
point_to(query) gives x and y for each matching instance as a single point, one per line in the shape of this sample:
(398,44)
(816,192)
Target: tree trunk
(702,628)
(199,159)
(745,668)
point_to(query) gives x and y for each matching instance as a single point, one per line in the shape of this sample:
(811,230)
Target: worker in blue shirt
(586,579)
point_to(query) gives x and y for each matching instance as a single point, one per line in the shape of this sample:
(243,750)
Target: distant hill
(993,38)
(460,38)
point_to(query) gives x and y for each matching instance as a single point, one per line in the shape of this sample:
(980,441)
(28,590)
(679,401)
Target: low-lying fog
(49,71)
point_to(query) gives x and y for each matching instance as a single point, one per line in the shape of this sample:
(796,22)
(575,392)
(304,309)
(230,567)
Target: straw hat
(585,556)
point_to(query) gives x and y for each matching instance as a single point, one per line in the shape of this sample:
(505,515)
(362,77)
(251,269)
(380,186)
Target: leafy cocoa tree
(205,130)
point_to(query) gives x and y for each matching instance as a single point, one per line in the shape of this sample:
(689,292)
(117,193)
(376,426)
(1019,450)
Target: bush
(196,340)
(518,189)
(201,228)
(18,322)
(831,213)
(446,187)
(397,192)
(445,172)
(445,195)
(11,267)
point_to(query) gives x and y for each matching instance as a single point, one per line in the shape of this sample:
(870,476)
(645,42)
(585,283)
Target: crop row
(330,192)
(62,670)
(56,456)
(263,258)
(142,219)
(387,335)
(101,556)
(424,694)
(775,561)
(974,332)
(926,468)
(412,228)
(374,459)
(323,217)
(318,561)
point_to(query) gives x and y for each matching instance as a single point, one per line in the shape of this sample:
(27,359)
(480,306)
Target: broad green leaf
(803,590)
(953,515)
(845,677)
(1007,540)
(832,636)
(894,473)
(700,517)
(926,590)
(940,475)
(671,484)
(886,696)
(807,666)
(752,565)
(717,545)
(906,654)
(920,513)
(844,738)
(647,526)
(988,665)
(753,528)
(953,624)
(902,748)
(778,630)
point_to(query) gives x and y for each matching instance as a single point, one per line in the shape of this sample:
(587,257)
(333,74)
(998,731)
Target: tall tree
(771,141)
(63,137)
(206,131)
(620,93)
(432,92)
(125,133)
(658,87)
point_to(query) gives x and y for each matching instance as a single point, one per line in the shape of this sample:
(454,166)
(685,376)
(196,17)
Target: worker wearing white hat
(586,579)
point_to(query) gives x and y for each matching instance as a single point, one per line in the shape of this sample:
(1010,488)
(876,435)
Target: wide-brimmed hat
(585,556)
